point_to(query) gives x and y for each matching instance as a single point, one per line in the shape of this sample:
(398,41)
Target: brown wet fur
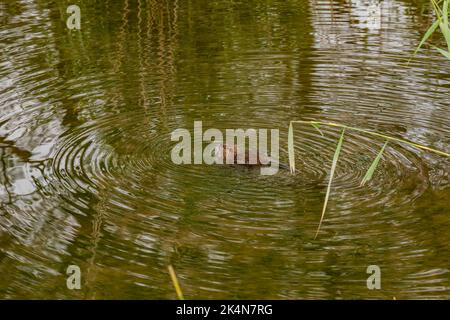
(232,149)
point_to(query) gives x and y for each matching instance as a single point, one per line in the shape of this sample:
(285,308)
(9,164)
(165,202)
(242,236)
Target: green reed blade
(333,168)
(445,12)
(437,9)
(291,151)
(428,34)
(444,53)
(444,24)
(317,127)
(377,134)
(373,166)
(176,285)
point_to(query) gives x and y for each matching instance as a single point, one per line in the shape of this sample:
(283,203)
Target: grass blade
(377,134)
(291,151)
(333,168)
(444,24)
(373,166)
(445,53)
(441,22)
(317,127)
(428,34)
(176,285)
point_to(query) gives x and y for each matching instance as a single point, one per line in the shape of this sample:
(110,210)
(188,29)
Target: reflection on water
(86,176)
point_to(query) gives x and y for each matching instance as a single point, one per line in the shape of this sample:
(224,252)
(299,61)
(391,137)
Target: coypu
(239,158)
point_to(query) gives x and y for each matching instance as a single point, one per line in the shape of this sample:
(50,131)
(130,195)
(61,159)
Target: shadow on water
(85,171)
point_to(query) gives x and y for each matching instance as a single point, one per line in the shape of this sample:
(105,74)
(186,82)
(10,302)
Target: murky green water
(86,177)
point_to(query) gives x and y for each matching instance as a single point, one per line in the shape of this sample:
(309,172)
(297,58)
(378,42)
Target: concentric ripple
(87,178)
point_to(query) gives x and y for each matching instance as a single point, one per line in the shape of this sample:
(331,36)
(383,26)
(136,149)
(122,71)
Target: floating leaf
(333,168)
(173,276)
(291,152)
(373,166)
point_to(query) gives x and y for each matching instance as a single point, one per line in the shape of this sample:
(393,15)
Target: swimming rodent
(234,152)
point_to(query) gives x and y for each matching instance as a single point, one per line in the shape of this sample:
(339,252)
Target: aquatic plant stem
(333,168)
(442,23)
(373,166)
(291,148)
(416,145)
(176,285)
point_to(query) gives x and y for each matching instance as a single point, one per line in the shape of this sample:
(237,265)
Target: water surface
(86,177)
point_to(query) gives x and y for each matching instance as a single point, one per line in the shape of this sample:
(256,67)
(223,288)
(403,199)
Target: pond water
(86,176)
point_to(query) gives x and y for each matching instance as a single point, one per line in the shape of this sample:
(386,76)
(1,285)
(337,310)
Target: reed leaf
(442,22)
(376,134)
(333,168)
(427,35)
(444,53)
(291,152)
(373,166)
(317,127)
(176,285)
